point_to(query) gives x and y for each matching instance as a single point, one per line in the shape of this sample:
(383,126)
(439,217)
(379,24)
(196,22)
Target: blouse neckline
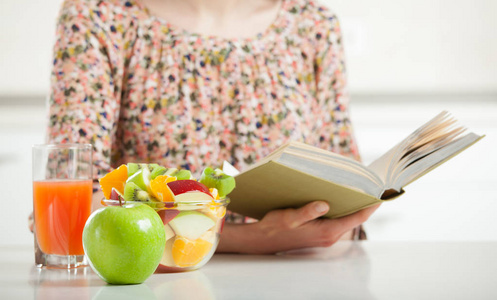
(186,33)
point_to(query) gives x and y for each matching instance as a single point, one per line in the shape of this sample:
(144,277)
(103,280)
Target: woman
(188,84)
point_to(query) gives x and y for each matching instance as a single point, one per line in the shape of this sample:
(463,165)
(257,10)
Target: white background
(428,46)
(407,61)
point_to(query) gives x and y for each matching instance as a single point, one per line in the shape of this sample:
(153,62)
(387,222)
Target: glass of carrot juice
(62,197)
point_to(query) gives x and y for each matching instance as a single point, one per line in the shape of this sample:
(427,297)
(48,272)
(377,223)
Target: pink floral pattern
(140,89)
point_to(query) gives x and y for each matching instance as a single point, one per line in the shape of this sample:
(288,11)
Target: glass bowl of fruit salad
(192,210)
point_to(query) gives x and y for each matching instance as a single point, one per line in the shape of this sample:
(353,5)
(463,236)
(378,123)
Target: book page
(338,173)
(385,164)
(333,159)
(424,165)
(424,149)
(292,144)
(327,165)
(381,165)
(429,145)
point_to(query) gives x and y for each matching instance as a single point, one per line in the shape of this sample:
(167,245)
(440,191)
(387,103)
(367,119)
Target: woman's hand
(289,229)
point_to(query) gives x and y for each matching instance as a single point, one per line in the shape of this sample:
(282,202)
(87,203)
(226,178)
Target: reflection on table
(347,270)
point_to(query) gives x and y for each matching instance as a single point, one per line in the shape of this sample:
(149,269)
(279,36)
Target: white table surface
(348,270)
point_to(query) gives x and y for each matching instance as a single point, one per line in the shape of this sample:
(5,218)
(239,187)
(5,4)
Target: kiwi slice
(157,171)
(141,178)
(133,192)
(183,175)
(134,167)
(217,179)
(171,171)
(179,174)
(151,167)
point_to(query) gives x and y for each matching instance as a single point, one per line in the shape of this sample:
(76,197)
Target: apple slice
(167,215)
(114,194)
(117,197)
(189,191)
(191,224)
(169,232)
(167,257)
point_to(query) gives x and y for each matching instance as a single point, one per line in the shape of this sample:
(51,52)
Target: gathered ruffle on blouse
(141,90)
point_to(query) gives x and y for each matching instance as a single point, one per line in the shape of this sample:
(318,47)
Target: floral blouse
(140,89)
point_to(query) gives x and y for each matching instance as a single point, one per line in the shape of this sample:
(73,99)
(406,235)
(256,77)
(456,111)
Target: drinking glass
(62,197)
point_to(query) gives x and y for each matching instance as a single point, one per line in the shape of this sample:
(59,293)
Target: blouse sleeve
(84,96)
(336,134)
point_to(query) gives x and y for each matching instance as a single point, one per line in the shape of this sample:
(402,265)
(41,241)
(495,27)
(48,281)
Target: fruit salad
(192,210)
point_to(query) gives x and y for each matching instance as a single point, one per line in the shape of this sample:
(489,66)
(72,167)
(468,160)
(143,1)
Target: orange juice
(61,208)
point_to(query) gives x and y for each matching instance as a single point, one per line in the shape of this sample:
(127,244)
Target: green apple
(124,244)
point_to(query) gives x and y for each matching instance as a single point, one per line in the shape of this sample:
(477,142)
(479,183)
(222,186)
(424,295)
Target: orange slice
(188,253)
(216,212)
(115,179)
(214,193)
(160,189)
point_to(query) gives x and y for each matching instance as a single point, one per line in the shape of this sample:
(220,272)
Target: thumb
(309,212)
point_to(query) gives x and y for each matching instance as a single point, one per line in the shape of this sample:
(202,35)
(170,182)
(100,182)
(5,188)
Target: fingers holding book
(329,231)
(289,229)
(294,218)
(351,221)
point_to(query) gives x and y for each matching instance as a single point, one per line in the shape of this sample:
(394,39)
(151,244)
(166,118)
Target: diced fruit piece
(191,224)
(167,215)
(189,191)
(183,175)
(221,211)
(152,166)
(167,258)
(215,212)
(160,189)
(115,179)
(133,193)
(214,193)
(180,174)
(188,253)
(115,195)
(217,179)
(171,171)
(134,167)
(169,232)
(157,171)
(141,179)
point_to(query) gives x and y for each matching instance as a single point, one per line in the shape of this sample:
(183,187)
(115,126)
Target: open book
(296,173)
